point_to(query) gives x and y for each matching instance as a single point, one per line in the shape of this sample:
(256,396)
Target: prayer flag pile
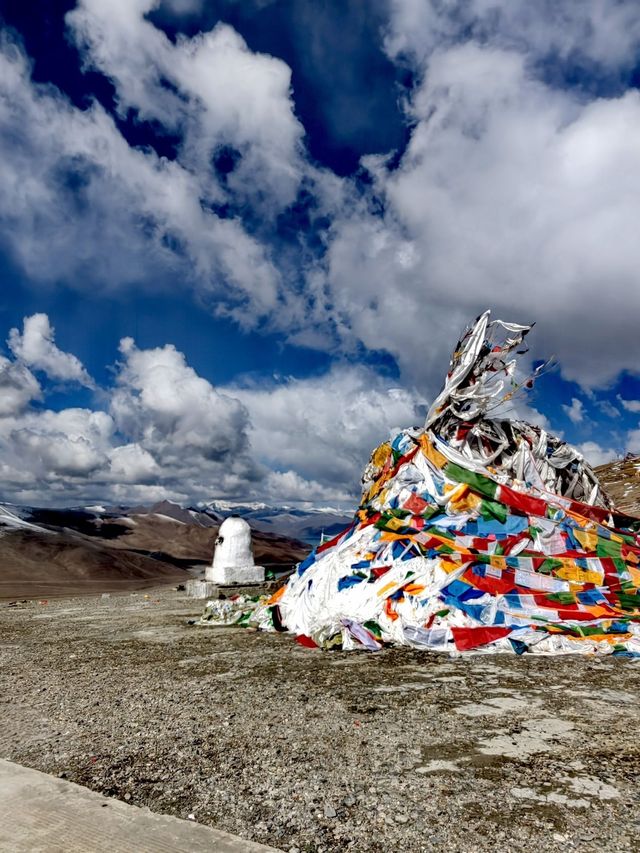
(472,534)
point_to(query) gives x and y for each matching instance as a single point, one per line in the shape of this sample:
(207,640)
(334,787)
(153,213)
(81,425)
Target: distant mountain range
(45,551)
(308,525)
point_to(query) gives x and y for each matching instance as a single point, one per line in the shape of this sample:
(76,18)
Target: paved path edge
(44,814)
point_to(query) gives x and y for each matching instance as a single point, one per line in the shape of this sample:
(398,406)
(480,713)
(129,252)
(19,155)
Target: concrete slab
(202,589)
(44,814)
(227,575)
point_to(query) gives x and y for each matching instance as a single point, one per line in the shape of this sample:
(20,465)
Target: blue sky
(238,239)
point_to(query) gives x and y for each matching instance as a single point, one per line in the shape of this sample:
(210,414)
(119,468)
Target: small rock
(401,818)
(557,836)
(127,796)
(349,801)
(329,810)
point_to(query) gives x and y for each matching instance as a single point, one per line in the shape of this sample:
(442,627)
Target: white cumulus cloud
(165,430)
(324,428)
(574,411)
(595,454)
(513,195)
(603,31)
(629,405)
(211,87)
(36,348)
(80,204)
(633,441)
(162,403)
(18,387)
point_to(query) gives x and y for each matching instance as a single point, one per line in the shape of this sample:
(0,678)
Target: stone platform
(227,575)
(202,589)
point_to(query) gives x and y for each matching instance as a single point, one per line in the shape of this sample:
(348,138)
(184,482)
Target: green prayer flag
(482,485)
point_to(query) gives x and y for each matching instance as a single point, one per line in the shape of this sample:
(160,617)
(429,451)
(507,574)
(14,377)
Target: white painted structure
(233,557)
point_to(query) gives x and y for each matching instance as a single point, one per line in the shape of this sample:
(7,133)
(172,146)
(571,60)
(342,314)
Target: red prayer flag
(379,571)
(326,545)
(524,503)
(305,641)
(493,585)
(415,504)
(471,638)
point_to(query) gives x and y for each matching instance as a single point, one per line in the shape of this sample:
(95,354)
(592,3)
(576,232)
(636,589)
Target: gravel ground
(314,751)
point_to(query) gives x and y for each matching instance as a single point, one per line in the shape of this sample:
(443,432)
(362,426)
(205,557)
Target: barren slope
(621,481)
(186,544)
(40,564)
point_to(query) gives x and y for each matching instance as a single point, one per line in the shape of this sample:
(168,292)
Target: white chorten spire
(233,558)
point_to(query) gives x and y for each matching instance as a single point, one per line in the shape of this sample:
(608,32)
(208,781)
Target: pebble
(159,735)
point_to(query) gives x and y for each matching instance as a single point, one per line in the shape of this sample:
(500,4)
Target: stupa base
(226,575)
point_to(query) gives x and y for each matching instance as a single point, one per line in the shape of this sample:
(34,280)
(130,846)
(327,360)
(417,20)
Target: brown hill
(36,564)
(621,481)
(189,544)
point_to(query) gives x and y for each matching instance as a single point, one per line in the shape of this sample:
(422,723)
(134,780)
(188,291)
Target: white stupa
(233,558)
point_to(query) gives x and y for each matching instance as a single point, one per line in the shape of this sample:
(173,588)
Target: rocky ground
(621,481)
(314,751)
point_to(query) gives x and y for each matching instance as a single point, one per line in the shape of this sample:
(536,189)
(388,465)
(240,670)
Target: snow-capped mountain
(306,524)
